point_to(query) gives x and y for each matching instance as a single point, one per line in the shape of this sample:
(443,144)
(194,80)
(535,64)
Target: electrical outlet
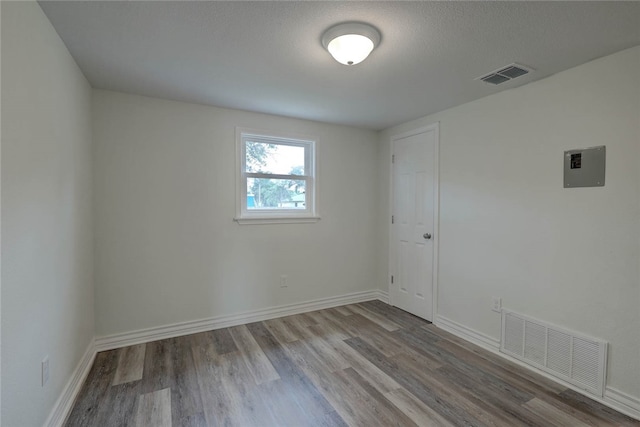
(45,371)
(283,281)
(497,304)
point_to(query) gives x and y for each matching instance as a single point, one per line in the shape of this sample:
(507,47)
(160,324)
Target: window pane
(274,158)
(265,193)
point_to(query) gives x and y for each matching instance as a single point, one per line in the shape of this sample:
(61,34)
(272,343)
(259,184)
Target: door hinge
(391,219)
(392,279)
(393,158)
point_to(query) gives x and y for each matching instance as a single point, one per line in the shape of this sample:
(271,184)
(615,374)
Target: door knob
(427,236)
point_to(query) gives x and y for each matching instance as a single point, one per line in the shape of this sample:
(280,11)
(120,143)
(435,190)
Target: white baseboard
(622,402)
(381,295)
(466,333)
(63,405)
(615,399)
(111,342)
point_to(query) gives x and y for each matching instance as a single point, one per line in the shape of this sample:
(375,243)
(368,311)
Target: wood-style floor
(365,364)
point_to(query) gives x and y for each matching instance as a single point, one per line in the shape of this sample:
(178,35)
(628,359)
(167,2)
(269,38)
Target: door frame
(436,209)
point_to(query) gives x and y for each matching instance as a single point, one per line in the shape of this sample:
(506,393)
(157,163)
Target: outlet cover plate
(497,305)
(283,281)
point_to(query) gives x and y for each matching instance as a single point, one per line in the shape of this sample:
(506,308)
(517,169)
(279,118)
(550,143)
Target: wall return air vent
(576,359)
(505,74)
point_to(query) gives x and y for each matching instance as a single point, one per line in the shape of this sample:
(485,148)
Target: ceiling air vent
(505,74)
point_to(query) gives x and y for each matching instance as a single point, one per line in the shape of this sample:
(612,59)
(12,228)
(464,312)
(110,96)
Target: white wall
(167,248)
(47,287)
(508,228)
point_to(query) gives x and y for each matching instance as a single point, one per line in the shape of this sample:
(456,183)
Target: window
(276,178)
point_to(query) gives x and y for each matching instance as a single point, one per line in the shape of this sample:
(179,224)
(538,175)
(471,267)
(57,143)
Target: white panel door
(413,222)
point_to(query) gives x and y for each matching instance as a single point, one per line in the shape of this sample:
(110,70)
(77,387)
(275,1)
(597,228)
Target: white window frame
(276,216)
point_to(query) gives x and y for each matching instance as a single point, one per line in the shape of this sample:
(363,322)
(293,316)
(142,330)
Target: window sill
(276,220)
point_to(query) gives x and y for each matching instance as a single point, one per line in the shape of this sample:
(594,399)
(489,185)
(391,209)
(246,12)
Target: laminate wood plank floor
(365,364)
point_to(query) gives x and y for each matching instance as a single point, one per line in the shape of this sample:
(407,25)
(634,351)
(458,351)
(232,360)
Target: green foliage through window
(266,193)
(277,177)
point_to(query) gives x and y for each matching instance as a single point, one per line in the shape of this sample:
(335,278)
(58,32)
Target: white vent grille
(577,359)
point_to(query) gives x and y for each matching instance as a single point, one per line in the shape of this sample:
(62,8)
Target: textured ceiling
(267,57)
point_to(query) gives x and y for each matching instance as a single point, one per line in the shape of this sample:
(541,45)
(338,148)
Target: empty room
(235,213)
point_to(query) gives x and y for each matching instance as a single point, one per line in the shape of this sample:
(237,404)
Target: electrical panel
(585,167)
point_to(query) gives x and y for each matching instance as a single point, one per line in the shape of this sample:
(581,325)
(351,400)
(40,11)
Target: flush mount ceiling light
(350,43)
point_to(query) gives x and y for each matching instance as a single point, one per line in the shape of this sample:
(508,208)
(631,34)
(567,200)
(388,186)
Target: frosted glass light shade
(350,49)
(350,43)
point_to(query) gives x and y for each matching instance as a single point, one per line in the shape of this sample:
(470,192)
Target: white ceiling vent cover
(576,359)
(504,74)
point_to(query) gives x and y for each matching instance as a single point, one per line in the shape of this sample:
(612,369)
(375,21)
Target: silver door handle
(427,236)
